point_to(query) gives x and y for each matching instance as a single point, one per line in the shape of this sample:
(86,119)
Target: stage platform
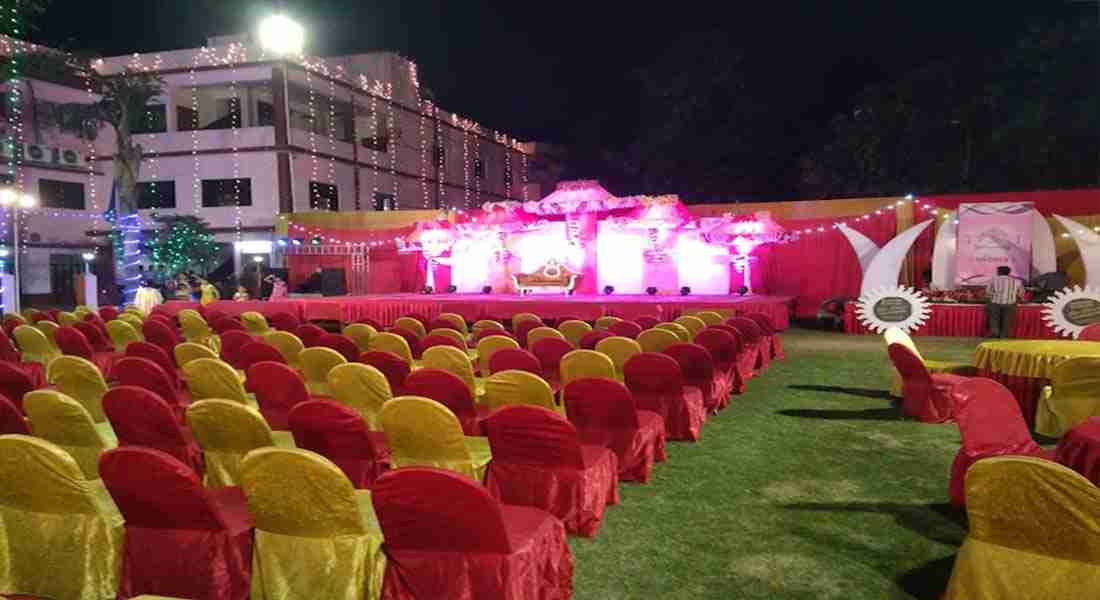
(385,308)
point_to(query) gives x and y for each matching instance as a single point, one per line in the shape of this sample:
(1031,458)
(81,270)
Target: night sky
(541,70)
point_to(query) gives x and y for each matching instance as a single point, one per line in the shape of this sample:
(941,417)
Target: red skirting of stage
(967,320)
(385,308)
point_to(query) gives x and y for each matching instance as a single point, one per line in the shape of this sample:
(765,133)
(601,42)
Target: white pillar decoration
(944,254)
(865,248)
(1044,257)
(1088,244)
(885,267)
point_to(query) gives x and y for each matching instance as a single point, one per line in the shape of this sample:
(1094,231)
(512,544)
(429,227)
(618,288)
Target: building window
(384,201)
(226,192)
(378,143)
(265,114)
(156,194)
(186,119)
(323,196)
(151,120)
(440,155)
(61,194)
(479,169)
(227,114)
(508,175)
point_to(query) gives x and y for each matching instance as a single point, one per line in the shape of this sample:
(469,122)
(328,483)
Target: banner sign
(992,235)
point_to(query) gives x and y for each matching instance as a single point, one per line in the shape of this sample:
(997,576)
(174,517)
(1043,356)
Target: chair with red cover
(258,352)
(925,395)
(164,336)
(341,435)
(369,321)
(657,384)
(590,339)
(990,424)
(342,344)
(278,389)
(697,366)
(158,355)
(723,349)
(11,322)
(768,326)
(108,313)
(449,390)
(10,354)
(627,329)
(647,322)
(310,334)
(141,417)
(72,341)
(605,415)
(550,351)
(438,323)
(484,333)
(412,339)
(1090,333)
(460,542)
(283,321)
(522,329)
(755,348)
(224,325)
(440,340)
(182,539)
(233,341)
(98,338)
(144,373)
(514,359)
(12,419)
(391,365)
(15,383)
(538,461)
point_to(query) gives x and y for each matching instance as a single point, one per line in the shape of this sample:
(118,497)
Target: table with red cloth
(1079,449)
(1025,366)
(966,320)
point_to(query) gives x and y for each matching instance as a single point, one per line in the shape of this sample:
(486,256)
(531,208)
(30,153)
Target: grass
(812,484)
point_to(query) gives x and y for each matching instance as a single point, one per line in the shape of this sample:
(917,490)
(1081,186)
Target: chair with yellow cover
(517,388)
(49,329)
(413,325)
(215,378)
(35,346)
(61,533)
(362,388)
(580,364)
(489,346)
(80,379)
(710,317)
(227,431)
(394,344)
(450,334)
(457,321)
(196,330)
(542,332)
(122,334)
(574,330)
(895,335)
(134,319)
(619,350)
(526,316)
(316,364)
(316,535)
(67,319)
(693,324)
(488,324)
(1071,398)
(289,345)
(82,312)
(681,332)
(63,421)
(656,340)
(453,361)
(423,432)
(188,351)
(603,323)
(361,334)
(1034,532)
(255,323)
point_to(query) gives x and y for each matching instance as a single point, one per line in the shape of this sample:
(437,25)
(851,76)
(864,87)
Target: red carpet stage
(385,308)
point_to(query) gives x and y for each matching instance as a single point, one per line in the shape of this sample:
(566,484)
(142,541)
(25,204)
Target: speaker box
(333,282)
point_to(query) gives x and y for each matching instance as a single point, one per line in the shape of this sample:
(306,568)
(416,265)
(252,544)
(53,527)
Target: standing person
(1003,291)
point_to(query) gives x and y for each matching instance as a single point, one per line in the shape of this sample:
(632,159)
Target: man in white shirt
(1004,291)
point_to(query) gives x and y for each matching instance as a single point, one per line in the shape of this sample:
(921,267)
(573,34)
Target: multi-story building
(239,137)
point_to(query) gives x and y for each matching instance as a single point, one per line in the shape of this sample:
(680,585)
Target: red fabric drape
(393,272)
(820,265)
(1067,203)
(301,266)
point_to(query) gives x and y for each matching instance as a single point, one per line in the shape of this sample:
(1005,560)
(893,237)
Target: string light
(332,137)
(196,185)
(235,123)
(376,139)
(392,151)
(479,170)
(524,175)
(440,163)
(425,106)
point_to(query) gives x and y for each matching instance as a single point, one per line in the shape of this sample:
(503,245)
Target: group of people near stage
(191,287)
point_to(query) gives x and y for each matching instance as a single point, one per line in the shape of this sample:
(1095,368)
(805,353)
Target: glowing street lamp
(14,201)
(282,36)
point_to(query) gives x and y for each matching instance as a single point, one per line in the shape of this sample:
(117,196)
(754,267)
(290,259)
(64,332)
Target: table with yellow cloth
(1025,366)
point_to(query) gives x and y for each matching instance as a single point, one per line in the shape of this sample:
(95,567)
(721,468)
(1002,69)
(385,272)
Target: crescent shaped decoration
(943,256)
(1044,257)
(1088,244)
(885,267)
(865,248)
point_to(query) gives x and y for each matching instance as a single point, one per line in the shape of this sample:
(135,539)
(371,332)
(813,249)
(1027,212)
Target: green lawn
(810,485)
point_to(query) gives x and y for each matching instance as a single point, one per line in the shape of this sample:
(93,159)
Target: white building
(239,137)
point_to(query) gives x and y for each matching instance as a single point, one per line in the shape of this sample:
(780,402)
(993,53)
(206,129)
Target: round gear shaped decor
(897,306)
(1072,309)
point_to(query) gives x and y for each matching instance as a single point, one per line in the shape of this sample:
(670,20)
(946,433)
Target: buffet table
(966,320)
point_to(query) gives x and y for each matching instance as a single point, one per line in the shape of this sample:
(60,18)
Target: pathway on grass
(810,485)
